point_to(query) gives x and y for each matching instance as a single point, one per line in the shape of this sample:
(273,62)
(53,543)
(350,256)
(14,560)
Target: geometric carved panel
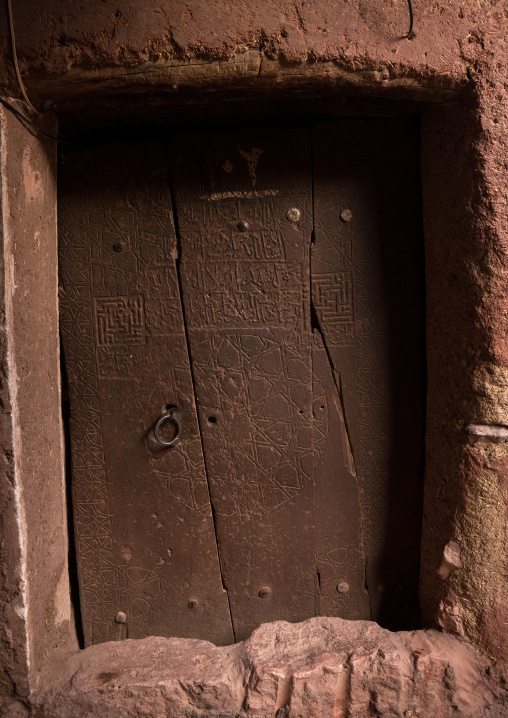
(120,320)
(332,295)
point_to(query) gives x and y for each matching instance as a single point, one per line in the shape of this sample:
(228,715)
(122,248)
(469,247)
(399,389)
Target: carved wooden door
(145,540)
(243,332)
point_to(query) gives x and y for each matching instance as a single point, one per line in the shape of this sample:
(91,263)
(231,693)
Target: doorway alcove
(283,322)
(439,161)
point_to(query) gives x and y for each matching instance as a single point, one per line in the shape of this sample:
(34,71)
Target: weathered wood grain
(144,530)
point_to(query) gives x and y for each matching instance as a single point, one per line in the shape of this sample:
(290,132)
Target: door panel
(145,538)
(287,512)
(245,280)
(340,558)
(367,289)
(285,324)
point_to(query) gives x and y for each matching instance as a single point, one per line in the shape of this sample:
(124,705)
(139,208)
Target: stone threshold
(318,668)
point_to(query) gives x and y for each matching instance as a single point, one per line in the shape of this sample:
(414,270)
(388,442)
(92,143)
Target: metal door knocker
(171,416)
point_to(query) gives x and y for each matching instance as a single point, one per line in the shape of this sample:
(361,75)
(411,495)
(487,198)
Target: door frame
(458,249)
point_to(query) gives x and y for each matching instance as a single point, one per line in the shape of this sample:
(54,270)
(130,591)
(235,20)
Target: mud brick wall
(105,56)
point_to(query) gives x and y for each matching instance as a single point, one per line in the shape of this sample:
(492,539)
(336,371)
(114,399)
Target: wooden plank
(340,559)
(367,288)
(144,530)
(245,280)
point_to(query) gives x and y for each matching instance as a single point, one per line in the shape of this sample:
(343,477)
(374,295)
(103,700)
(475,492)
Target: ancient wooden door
(242,332)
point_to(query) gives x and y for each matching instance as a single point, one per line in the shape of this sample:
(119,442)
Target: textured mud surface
(58,35)
(321,667)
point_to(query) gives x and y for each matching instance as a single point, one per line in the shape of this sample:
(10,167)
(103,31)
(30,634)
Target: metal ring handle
(168,416)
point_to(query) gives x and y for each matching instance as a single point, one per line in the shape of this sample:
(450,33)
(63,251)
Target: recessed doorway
(242,316)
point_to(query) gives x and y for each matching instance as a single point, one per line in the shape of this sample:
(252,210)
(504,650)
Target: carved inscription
(261,293)
(213,233)
(332,296)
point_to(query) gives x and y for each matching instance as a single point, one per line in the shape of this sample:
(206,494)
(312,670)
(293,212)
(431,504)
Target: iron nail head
(343,587)
(264,592)
(121,617)
(346,215)
(242,226)
(294,214)
(192,604)
(120,246)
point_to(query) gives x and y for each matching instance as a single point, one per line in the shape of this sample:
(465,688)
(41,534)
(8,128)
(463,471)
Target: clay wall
(88,62)
(34,583)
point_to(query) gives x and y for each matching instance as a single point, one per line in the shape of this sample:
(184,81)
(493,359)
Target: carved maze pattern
(333,303)
(333,297)
(333,290)
(120,320)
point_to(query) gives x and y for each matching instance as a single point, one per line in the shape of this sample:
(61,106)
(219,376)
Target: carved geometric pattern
(262,457)
(120,320)
(332,295)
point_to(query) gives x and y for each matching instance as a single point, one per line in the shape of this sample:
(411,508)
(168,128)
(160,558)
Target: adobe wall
(56,36)
(79,57)
(35,607)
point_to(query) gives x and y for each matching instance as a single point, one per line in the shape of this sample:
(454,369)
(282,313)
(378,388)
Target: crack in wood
(316,326)
(182,304)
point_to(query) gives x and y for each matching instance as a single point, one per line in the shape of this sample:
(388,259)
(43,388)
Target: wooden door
(145,539)
(251,320)
(244,209)
(368,301)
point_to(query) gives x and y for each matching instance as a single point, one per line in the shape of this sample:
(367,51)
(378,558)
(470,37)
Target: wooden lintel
(249,71)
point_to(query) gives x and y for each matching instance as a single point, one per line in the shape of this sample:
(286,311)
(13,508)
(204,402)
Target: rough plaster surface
(57,35)
(465,221)
(321,667)
(32,264)
(70,50)
(13,637)
(36,620)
